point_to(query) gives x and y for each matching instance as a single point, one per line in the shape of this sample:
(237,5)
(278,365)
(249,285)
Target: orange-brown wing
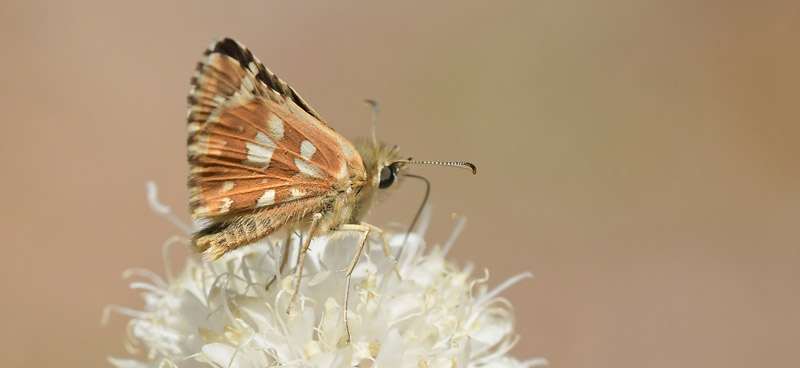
(254,143)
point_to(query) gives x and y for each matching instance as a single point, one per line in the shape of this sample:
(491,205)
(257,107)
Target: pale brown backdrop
(641,158)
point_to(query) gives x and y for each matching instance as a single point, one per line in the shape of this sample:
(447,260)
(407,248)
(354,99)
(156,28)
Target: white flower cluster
(219,314)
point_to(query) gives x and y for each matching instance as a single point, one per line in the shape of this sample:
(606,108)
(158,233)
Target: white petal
(126,363)
(391,354)
(226,356)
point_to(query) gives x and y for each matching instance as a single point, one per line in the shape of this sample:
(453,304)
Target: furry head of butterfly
(261,159)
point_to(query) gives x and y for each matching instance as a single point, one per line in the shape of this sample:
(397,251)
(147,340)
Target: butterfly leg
(303,250)
(385,247)
(364,229)
(284,259)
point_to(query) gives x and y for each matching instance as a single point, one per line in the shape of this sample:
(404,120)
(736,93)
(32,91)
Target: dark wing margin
(235,50)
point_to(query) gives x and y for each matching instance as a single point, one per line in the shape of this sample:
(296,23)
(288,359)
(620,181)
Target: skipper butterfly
(261,159)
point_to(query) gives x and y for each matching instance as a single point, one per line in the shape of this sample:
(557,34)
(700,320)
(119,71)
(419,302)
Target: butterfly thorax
(375,157)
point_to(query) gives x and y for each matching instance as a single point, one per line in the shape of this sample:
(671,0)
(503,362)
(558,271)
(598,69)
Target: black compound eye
(388,175)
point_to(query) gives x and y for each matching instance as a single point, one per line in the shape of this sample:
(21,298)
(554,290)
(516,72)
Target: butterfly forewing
(254,144)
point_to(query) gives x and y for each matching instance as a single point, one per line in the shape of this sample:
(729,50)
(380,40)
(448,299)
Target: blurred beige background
(641,158)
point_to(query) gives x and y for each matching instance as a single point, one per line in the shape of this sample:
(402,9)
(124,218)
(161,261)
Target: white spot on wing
(226,186)
(226,205)
(276,126)
(307,150)
(201,211)
(193,149)
(267,199)
(218,100)
(296,193)
(253,68)
(260,153)
(307,168)
(247,85)
(343,172)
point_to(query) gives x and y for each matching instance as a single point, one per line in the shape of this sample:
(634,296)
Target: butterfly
(261,159)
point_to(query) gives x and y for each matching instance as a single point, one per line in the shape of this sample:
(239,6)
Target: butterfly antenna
(419,211)
(461,164)
(374,105)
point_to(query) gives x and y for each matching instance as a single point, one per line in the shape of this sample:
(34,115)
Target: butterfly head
(383,164)
(386,168)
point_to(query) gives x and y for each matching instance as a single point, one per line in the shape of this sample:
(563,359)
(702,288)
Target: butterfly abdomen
(227,233)
(224,236)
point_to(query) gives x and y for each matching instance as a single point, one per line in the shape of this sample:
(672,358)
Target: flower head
(220,314)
